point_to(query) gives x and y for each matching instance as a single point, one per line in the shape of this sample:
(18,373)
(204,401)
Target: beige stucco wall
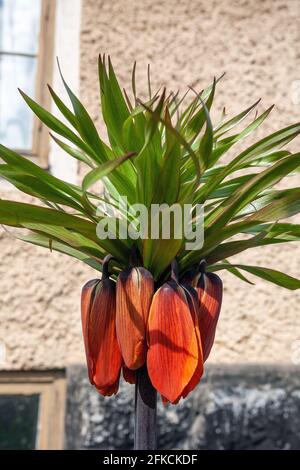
(187,42)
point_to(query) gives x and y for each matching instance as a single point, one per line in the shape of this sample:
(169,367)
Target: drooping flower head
(128,324)
(159,151)
(98,307)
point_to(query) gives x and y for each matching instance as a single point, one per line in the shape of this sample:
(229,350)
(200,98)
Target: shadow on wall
(235,407)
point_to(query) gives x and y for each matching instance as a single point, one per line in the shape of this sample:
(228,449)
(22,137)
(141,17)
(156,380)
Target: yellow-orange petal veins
(102,339)
(87,297)
(135,289)
(210,292)
(173,350)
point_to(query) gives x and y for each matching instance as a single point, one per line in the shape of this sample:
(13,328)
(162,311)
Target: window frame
(51,386)
(44,73)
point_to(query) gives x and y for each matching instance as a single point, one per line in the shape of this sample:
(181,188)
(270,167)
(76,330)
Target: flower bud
(135,287)
(99,330)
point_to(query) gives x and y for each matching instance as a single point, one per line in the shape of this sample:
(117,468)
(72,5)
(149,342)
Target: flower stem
(145,412)
(105,271)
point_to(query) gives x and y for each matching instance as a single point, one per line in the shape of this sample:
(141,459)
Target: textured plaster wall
(187,42)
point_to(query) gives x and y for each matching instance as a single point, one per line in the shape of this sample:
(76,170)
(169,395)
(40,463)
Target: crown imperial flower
(163,151)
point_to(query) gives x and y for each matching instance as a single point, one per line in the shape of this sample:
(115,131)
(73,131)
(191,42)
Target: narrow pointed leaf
(271,275)
(104,170)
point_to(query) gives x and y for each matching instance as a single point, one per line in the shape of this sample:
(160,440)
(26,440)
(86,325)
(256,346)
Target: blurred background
(250,397)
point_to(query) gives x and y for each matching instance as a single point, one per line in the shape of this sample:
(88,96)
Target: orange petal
(108,391)
(102,339)
(194,309)
(135,288)
(164,400)
(129,375)
(87,296)
(210,291)
(173,350)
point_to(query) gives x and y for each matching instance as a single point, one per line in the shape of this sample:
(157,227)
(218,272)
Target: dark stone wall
(242,407)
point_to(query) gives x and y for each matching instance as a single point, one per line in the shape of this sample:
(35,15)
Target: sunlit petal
(134,295)
(173,350)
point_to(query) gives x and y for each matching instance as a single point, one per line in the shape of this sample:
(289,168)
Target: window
(32,406)
(26,49)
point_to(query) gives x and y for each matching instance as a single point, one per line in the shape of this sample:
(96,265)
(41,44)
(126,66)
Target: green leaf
(266,198)
(279,229)
(286,206)
(225,250)
(24,165)
(281,208)
(112,111)
(17,213)
(33,186)
(85,125)
(181,140)
(222,146)
(247,192)
(75,153)
(271,142)
(268,144)
(117,93)
(168,182)
(64,109)
(271,275)
(71,238)
(104,170)
(229,124)
(232,270)
(133,80)
(226,189)
(59,127)
(152,124)
(44,241)
(206,143)
(195,124)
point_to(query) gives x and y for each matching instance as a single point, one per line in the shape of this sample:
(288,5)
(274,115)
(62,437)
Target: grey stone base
(243,407)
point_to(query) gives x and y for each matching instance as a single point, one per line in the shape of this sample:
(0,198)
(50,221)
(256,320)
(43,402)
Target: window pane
(19,25)
(18,421)
(16,119)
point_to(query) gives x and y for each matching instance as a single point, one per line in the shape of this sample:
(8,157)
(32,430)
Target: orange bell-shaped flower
(209,288)
(135,287)
(173,346)
(194,305)
(210,292)
(193,302)
(87,297)
(99,330)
